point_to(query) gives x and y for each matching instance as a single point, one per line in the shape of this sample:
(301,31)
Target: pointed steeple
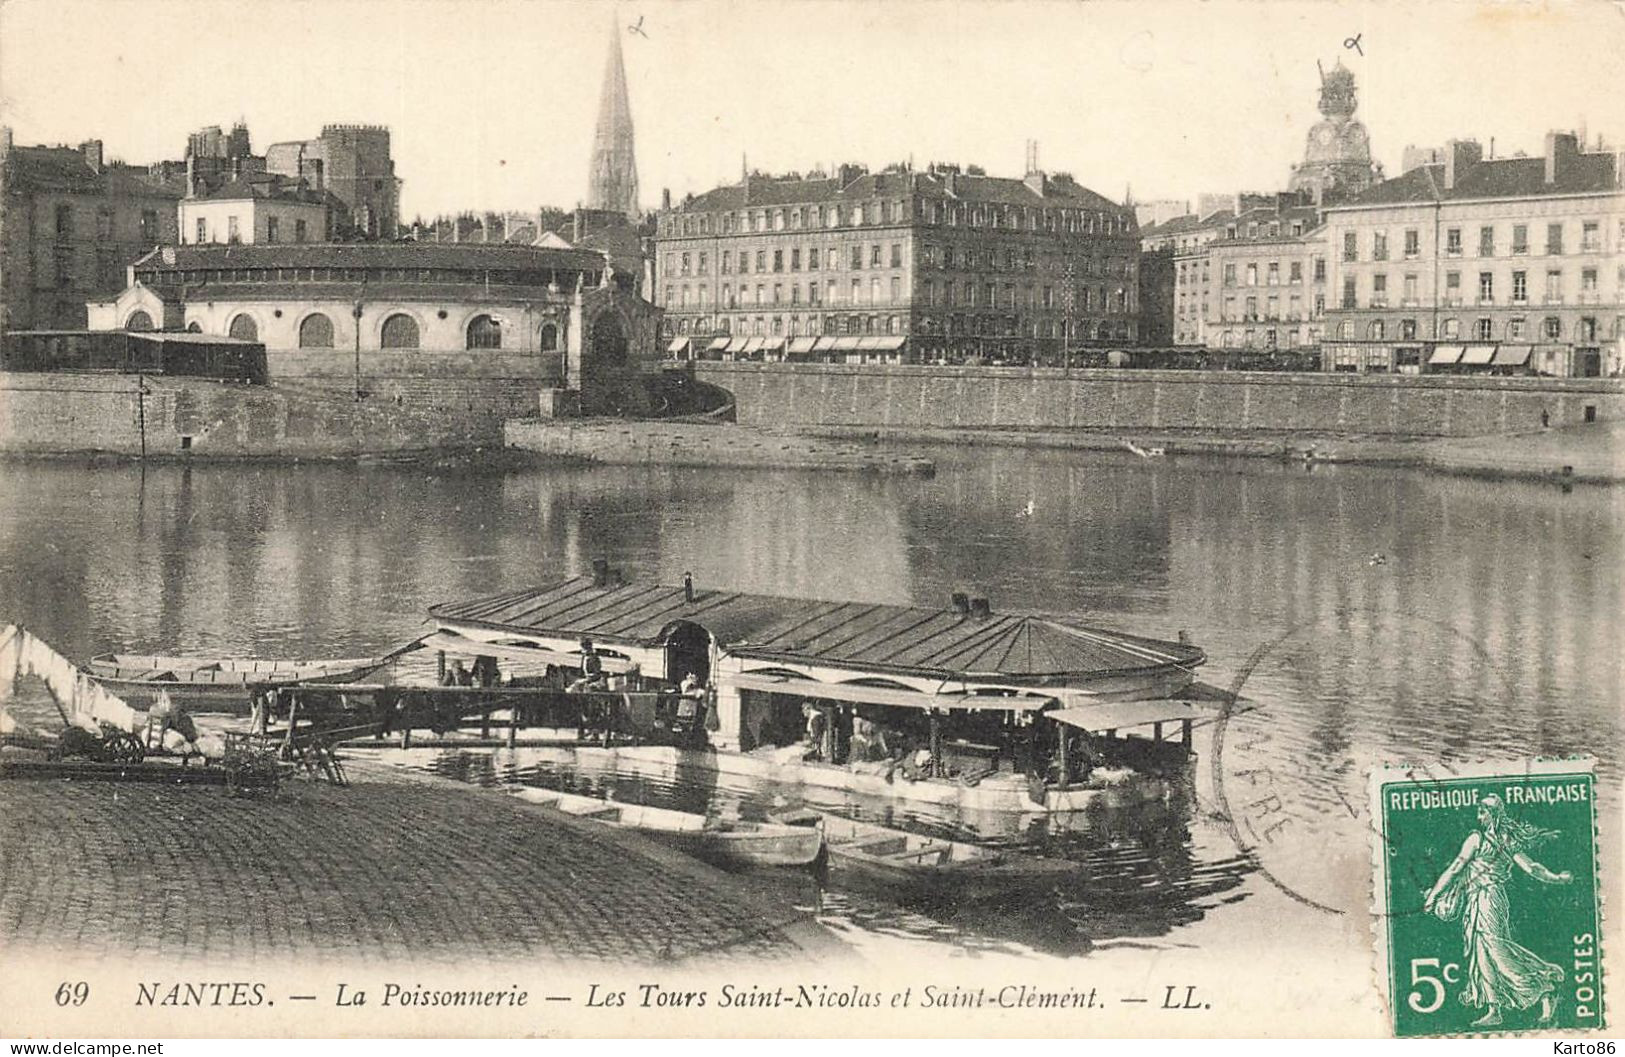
(612,179)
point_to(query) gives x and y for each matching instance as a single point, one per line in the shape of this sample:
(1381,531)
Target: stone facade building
(70,224)
(257,208)
(407,308)
(1269,271)
(1514,264)
(354,164)
(924,266)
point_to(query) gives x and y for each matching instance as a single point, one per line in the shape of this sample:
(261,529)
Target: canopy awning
(751,345)
(738,343)
(1512,355)
(857,693)
(1116,715)
(1445,354)
(868,343)
(463,646)
(772,344)
(825,344)
(802,344)
(718,344)
(677,345)
(890,343)
(1478,354)
(844,344)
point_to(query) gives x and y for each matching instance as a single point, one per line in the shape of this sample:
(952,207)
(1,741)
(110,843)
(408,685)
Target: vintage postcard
(525,518)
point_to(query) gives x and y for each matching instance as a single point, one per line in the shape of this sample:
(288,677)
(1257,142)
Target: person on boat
(868,742)
(817,730)
(1500,972)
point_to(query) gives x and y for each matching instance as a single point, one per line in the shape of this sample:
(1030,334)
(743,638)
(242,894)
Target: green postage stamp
(1486,897)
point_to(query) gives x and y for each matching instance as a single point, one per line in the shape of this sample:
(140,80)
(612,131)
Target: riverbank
(395,867)
(1592,454)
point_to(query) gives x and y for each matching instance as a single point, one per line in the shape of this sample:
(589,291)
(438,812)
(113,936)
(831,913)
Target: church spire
(612,179)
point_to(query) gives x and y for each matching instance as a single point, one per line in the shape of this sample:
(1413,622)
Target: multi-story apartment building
(257,208)
(70,224)
(1182,306)
(934,265)
(1270,268)
(1513,263)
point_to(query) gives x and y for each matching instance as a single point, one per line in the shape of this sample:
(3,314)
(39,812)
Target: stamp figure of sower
(1499,973)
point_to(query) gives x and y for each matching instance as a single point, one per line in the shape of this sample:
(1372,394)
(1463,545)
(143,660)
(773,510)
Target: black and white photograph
(995,519)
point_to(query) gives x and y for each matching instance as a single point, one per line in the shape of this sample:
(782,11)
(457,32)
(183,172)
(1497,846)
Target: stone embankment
(620,442)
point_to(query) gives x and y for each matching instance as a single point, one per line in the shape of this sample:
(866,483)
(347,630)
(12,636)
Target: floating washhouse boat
(732,842)
(1000,711)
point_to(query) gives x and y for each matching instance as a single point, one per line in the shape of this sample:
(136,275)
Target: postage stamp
(1485,893)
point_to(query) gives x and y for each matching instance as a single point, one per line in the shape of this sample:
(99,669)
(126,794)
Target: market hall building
(336,314)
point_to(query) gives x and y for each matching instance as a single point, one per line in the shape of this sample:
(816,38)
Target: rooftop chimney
(665,198)
(92,150)
(5,141)
(961,603)
(600,572)
(980,609)
(1460,155)
(1561,150)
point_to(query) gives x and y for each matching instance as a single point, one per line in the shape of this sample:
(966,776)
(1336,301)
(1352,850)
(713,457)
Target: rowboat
(729,842)
(870,854)
(138,678)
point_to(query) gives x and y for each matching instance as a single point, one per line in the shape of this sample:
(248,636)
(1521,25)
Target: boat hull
(747,849)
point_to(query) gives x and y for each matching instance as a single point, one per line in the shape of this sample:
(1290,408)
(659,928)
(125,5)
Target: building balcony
(1552,299)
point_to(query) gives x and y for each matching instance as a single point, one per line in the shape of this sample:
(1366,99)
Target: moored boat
(727,841)
(214,680)
(867,853)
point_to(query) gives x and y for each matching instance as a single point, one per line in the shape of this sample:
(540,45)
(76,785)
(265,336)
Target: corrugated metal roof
(860,635)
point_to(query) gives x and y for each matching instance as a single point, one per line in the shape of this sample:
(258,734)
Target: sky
(491,103)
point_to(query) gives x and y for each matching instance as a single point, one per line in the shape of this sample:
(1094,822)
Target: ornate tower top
(612,177)
(1337,98)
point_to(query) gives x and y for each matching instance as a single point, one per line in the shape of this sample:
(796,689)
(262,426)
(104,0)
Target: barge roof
(1020,647)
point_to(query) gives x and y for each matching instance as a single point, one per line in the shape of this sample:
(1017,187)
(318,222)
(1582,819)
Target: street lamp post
(355,314)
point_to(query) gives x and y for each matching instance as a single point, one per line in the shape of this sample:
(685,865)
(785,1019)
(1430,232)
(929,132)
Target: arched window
(400,331)
(138,320)
(1378,329)
(243,328)
(1452,328)
(194,328)
(316,332)
(549,339)
(484,333)
(1484,330)
(1345,329)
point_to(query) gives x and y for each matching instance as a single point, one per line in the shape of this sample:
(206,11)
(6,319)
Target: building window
(1554,239)
(1588,284)
(1410,288)
(1486,241)
(1590,242)
(64,220)
(857,257)
(1413,243)
(271,225)
(1345,329)
(1486,288)
(705,263)
(232,235)
(761,261)
(1379,246)
(104,224)
(400,331)
(1554,286)
(778,260)
(1379,290)
(1348,292)
(1295,272)
(1320,269)
(300,234)
(316,332)
(1377,330)
(243,328)
(202,229)
(1451,329)
(1230,275)
(896,255)
(795,259)
(1452,288)
(138,321)
(896,289)
(1252,275)
(484,333)
(1520,239)
(1587,331)
(1514,329)
(1552,327)
(1484,330)
(1452,242)
(1407,330)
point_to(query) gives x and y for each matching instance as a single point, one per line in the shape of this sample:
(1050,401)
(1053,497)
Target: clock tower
(1337,160)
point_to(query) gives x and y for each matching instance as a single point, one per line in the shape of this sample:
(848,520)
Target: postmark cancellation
(1486,900)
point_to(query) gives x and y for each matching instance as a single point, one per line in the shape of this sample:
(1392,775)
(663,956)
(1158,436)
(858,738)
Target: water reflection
(1414,617)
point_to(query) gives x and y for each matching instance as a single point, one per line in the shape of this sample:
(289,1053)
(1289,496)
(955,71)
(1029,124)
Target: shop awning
(1478,354)
(802,344)
(1117,715)
(1445,354)
(1512,355)
(772,344)
(845,344)
(752,345)
(462,646)
(890,343)
(678,345)
(868,343)
(718,344)
(857,693)
(737,344)
(825,344)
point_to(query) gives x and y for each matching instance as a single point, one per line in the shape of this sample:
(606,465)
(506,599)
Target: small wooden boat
(731,842)
(868,853)
(138,678)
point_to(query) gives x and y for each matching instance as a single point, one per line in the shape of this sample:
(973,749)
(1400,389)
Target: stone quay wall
(905,398)
(55,414)
(635,443)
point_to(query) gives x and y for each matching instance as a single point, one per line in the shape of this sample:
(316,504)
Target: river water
(1366,615)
